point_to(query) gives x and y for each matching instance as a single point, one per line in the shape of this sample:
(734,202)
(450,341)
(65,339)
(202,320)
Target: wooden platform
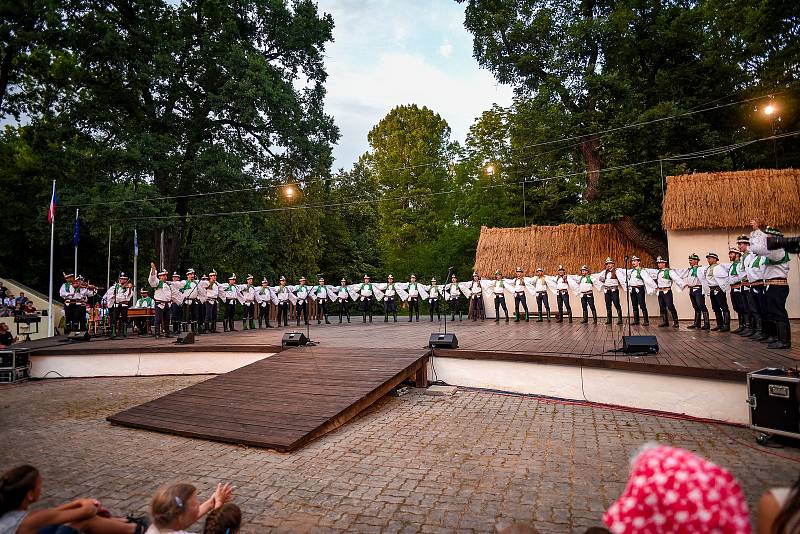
(284,401)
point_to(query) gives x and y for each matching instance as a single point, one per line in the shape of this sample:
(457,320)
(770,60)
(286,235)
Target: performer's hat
(321,278)
(660,260)
(453,276)
(433,279)
(282,279)
(474,275)
(712,255)
(143,291)
(175,274)
(735,251)
(414,276)
(743,239)
(163,272)
(519,269)
(264,281)
(609,260)
(68,276)
(636,258)
(80,277)
(344,280)
(189,271)
(539,270)
(212,273)
(232,276)
(302,278)
(390,277)
(204,277)
(561,268)
(249,277)
(366,277)
(694,256)
(498,272)
(771,230)
(123,276)
(584,268)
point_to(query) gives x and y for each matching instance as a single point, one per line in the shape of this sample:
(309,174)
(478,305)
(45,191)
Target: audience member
(227,519)
(674,491)
(29,308)
(9,303)
(22,486)
(3,291)
(779,510)
(175,508)
(6,338)
(21,300)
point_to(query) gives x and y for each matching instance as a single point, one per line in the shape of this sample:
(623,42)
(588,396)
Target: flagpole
(108,272)
(52,239)
(75,270)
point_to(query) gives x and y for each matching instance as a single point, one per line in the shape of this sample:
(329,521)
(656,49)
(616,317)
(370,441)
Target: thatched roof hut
(570,245)
(731,199)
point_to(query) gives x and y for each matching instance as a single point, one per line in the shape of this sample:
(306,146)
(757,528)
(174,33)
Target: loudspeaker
(79,336)
(185,338)
(645,344)
(294,339)
(443,341)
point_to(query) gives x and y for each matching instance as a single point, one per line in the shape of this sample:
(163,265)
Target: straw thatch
(732,199)
(548,247)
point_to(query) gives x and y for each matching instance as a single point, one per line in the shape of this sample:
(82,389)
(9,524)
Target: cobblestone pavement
(411,464)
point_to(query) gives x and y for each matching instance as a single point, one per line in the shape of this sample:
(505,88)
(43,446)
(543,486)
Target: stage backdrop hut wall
(706,212)
(548,247)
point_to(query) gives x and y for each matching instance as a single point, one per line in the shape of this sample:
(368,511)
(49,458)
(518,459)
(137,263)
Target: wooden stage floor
(281,402)
(683,352)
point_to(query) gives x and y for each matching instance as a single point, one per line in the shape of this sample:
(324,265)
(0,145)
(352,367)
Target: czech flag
(51,212)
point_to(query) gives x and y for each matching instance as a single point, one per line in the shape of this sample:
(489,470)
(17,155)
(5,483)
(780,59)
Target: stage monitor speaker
(443,341)
(79,336)
(640,344)
(294,339)
(185,338)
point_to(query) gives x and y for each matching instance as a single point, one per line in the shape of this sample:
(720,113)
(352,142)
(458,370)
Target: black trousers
(248,311)
(562,300)
(119,317)
(719,302)
(283,313)
(476,310)
(390,306)
(433,306)
(775,297)
(70,318)
(455,306)
(413,306)
(78,317)
(665,302)
(542,300)
(230,311)
(301,310)
(344,310)
(322,309)
(637,296)
(191,312)
(499,300)
(519,298)
(612,298)
(175,316)
(366,307)
(263,313)
(587,303)
(736,300)
(698,299)
(211,314)
(162,318)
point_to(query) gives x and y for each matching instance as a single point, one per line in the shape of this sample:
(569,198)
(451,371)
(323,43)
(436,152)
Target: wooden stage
(284,401)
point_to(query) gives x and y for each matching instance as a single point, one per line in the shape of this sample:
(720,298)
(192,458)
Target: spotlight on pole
(289,192)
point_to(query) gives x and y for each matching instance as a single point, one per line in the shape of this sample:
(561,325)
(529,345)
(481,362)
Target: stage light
(490,170)
(769,110)
(289,192)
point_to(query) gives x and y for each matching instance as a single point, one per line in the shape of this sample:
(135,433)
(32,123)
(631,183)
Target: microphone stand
(628,291)
(449,275)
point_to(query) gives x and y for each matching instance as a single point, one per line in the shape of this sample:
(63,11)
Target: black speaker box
(294,339)
(443,341)
(642,344)
(185,338)
(79,336)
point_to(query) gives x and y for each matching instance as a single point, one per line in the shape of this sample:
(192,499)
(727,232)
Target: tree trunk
(631,231)
(588,148)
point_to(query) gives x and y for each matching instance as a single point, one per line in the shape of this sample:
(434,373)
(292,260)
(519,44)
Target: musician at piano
(118,300)
(143,311)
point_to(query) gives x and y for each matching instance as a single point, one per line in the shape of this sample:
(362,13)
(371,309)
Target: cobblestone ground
(412,464)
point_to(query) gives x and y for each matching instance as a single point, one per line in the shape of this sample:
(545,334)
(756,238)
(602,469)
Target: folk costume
(559,284)
(666,279)
(163,295)
(776,284)
(265,297)
(143,324)
(698,288)
(475,291)
(609,284)
(321,293)
(229,294)
(284,296)
(540,288)
(118,298)
(638,283)
(583,286)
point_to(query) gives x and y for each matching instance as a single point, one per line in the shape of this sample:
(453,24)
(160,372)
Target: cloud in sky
(389,53)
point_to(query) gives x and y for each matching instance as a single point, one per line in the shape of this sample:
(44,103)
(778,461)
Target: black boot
(539,317)
(394,316)
(609,320)
(720,322)
(252,324)
(784,337)
(696,323)
(326,320)
(675,319)
(585,318)
(726,321)
(570,316)
(664,321)
(559,317)
(363,317)
(410,317)
(619,317)
(548,316)
(742,324)
(645,320)
(706,321)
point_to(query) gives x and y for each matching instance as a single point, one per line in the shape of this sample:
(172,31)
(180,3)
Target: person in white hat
(499,286)
(609,280)
(342,292)
(144,324)
(665,278)
(520,288)
(247,294)
(475,295)
(301,294)
(716,276)
(434,296)
(540,287)
(638,283)
(321,294)
(190,311)
(284,296)
(162,295)
(584,285)
(754,266)
(694,277)
(453,290)
(415,292)
(367,292)
(68,291)
(391,292)
(776,282)
(265,296)
(560,285)
(229,293)
(177,303)
(211,289)
(736,276)
(118,298)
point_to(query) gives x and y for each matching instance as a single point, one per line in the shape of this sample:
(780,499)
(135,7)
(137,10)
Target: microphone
(626,258)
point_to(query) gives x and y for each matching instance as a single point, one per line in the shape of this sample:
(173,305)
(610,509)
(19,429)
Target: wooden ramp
(284,401)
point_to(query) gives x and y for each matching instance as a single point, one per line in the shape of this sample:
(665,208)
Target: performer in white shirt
(716,277)
(190,311)
(342,297)
(265,296)
(301,295)
(475,291)
(391,292)
(366,293)
(163,297)
(211,288)
(560,285)
(737,275)
(666,279)
(229,294)
(520,289)
(144,303)
(754,266)
(434,298)
(284,295)
(321,293)
(453,291)
(540,288)
(499,287)
(776,290)
(695,281)
(415,293)
(638,283)
(609,283)
(118,297)
(583,285)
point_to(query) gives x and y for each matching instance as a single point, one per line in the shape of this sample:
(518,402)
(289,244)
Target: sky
(388,53)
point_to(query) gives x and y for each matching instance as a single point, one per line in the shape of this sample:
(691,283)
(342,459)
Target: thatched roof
(732,199)
(548,247)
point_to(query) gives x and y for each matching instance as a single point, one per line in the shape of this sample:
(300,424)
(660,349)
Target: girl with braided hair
(227,519)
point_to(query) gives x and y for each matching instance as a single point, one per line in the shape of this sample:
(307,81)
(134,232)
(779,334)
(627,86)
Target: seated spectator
(9,301)
(6,338)
(227,519)
(779,510)
(674,491)
(3,291)
(29,309)
(22,486)
(175,508)
(22,300)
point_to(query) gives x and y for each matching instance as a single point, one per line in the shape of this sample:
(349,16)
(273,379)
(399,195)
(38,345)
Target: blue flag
(76,232)
(135,242)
